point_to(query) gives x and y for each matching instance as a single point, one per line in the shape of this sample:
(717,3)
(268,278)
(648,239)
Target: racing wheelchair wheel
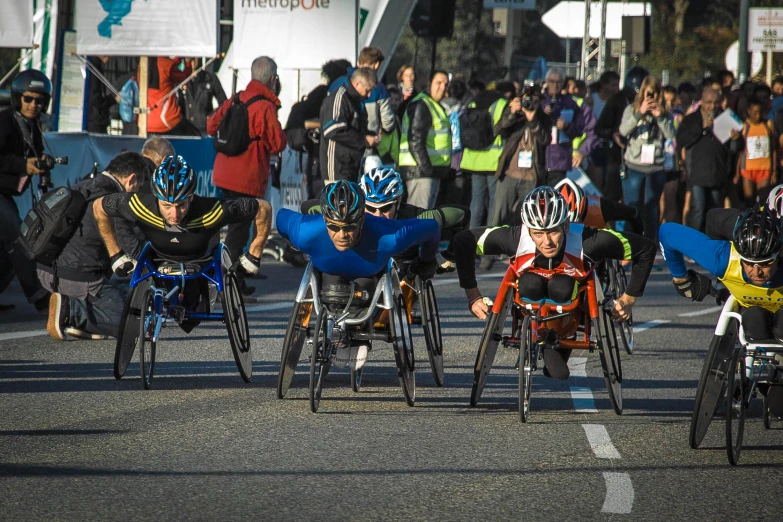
(525,367)
(493,334)
(356,379)
(736,404)
(149,329)
(403,348)
(235,317)
(295,336)
(128,336)
(432,332)
(766,414)
(320,360)
(712,383)
(619,282)
(609,351)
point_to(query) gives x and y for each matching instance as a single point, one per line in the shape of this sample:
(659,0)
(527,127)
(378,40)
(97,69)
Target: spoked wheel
(320,360)
(149,328)
(295,336)
(609,350)
(128,336)
(712,383)
(736,404)
(625,328)
(431,324)
(525,368)
(235,317)
(493,334)
(403,349)
(356,379)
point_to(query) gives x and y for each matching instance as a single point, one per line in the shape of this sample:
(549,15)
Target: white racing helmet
(381,186)
(371,163)
(544,209)
(775,200)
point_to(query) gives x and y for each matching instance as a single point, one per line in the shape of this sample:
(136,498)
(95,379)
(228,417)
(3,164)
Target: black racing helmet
(173,180)
(343,202)
(634,78)
(757,234)
(30,80)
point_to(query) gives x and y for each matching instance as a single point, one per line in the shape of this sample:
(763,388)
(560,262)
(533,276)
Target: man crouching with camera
(21,158)
(525,131)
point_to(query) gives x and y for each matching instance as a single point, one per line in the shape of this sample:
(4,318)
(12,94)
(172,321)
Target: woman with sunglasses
(748,266)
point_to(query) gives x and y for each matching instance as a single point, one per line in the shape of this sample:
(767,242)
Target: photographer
(525,129)
(21,158)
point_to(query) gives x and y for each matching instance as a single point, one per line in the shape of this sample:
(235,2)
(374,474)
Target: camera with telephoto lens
(47,162)
(529,103)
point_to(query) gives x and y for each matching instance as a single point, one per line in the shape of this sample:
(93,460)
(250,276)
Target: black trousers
(760,324)
(553,177)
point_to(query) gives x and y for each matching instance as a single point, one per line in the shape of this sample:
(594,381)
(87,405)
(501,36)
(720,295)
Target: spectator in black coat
(99,98)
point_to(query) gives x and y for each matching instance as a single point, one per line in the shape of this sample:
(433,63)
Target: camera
(47,162)
(529,103)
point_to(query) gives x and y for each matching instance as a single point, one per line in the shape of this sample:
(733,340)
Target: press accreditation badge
(525,159)
(648,154)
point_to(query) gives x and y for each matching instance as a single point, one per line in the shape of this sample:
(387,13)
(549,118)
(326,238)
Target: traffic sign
(732,59)
(567,19)
(765,30)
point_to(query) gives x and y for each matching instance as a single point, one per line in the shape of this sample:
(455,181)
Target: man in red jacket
(166,116)
(247,174)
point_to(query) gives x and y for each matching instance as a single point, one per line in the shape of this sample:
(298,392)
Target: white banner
(16,24)
(297,34)
(146,27)
(765,30)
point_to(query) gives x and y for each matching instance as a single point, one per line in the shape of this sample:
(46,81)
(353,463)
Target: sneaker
(59,313)
(81,334)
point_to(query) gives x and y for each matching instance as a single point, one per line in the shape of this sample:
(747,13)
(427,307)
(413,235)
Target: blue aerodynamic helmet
(381,186)
(174,180)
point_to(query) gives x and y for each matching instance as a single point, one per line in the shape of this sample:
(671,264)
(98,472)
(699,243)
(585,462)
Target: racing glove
(122,264)
(424,269)
(696,287)
(249,264)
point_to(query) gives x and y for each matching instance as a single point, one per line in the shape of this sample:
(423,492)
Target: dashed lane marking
(582,396)
(650,324)
(619,493)
(705,311)
(600,442)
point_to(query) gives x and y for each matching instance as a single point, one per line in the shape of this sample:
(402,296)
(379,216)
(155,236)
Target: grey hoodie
(641,130)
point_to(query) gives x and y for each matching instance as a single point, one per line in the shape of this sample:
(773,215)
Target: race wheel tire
(235,317)
(128,336)
(356,379)
(626,327)
(609,351)
(295,337)
(402,340)
(493,334)
(525,368)
(147,343)
(432,331)
(736,404)
(712,383)
(320,361)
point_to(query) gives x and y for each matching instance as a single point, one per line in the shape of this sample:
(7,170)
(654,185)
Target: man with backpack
(247,132)
(85,303)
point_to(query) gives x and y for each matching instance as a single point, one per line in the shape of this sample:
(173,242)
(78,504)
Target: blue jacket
(380,115)
(558,156)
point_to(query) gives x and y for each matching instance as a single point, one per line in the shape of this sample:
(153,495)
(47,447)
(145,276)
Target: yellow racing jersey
(748,294)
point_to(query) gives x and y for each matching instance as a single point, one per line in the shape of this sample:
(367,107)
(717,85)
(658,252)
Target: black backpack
(233,134)
(475,128)
(51,223)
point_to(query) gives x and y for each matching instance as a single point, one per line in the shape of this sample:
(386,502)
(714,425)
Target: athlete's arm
(311,206)
(720,223)
(241,210)
(114,205)
(678,241)
(422,232)
(288,223)
(451,218)
(614,211)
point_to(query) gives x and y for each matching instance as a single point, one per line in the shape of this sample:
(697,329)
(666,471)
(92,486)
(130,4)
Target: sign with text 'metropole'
(297,34)
(765,30)
(16,24)
(146,27)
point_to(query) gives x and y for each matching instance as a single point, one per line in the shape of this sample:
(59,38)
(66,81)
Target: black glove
(696,287)
(122,264)
(248,264)
(424,269)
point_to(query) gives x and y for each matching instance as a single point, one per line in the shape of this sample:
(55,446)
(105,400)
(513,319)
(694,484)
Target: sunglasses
(349,227)
(38,100)
(384,209)
(760,264)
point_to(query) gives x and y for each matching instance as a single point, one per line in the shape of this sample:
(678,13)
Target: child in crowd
(756,165)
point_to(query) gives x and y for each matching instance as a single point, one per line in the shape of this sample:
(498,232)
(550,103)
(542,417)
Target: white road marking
(22,335)
(577,366)
(619,493)
(705,311)
(269,306)
(583,400)
(451,280)
(600,442)
(650,324)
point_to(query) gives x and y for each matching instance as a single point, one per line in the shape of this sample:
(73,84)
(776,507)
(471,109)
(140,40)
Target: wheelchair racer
(596,211)
(551,256)
(749,267)
(720,221)
(180,225)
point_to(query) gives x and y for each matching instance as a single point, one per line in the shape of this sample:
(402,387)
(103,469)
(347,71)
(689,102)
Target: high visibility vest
(748,294)
(438,137)
(579,139)
(390,144)
(486,160)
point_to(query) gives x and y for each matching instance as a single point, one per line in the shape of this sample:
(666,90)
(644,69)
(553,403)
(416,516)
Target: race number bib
(757,147)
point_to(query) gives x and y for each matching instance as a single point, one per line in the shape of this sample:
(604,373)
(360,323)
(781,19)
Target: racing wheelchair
(162,292)
(732,371)
(535,326)
(341,319)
